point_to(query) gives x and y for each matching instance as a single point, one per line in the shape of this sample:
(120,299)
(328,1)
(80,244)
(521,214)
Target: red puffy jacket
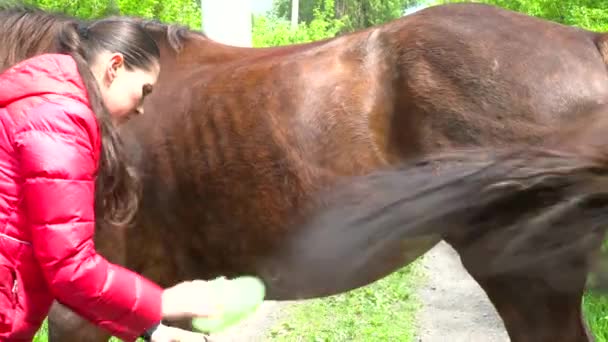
(49,151)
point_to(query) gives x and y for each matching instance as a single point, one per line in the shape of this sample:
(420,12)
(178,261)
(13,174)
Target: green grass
(42,335)
(382,311)
(595,308)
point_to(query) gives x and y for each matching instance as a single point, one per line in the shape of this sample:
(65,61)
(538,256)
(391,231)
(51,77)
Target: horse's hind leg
(66,326)
(534,310)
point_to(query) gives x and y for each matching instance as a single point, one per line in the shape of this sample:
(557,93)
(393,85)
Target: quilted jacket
(49,152)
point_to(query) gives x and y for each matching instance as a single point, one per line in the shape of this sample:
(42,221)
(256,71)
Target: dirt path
(454,308)
(256,327)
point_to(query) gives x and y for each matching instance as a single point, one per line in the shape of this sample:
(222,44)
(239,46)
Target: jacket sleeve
(58,165)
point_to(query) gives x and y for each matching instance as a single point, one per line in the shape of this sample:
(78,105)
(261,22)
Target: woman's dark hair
(117,188)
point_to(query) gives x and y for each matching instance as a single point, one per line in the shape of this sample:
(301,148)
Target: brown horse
(235,141)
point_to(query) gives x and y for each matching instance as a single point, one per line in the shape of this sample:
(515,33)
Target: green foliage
(365,13)
(273,30)
(355,14)
(185,12)
(282,9)
(588,14)
(81,9)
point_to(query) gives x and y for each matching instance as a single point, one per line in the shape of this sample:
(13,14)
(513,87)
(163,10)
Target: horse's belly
(304,282)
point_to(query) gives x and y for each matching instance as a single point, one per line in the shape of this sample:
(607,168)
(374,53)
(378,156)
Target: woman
(62,172)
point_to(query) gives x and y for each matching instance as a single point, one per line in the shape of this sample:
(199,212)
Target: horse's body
(235,141)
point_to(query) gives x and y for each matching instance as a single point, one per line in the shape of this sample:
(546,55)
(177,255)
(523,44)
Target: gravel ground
(455,308)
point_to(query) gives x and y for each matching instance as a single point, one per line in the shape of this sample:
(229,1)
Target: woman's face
(123,91)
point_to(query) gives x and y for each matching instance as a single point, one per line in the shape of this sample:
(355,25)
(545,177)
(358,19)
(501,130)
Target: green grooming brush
(240,297)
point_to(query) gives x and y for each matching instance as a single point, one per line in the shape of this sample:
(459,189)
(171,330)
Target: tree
(366,13)
(185,12)
(355,14)
(589,14)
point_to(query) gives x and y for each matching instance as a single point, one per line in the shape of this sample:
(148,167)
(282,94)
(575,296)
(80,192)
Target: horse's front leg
(65,325)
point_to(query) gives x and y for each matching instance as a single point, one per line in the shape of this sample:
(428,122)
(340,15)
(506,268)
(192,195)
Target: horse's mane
(175,35)
(26,30)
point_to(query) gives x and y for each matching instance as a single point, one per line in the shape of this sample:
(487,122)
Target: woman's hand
(170,334)
(190,299)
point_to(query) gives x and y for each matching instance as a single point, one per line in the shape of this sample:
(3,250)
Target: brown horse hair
(117,188)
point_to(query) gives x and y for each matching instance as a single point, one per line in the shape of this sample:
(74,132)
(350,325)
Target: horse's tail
(505,211)
(601,42)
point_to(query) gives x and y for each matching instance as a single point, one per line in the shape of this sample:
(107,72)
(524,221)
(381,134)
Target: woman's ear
(116,62)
